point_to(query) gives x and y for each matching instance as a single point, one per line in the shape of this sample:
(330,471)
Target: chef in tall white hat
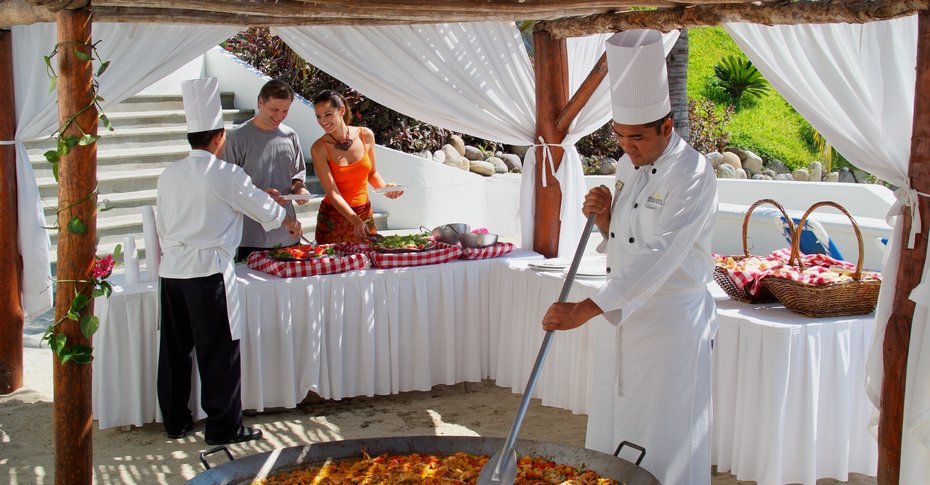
(652,385)
(201,202)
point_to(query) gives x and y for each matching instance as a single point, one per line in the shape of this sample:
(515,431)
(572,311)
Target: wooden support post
(910,268)
(11,267)
(78,174)
(583,94)
(551,60)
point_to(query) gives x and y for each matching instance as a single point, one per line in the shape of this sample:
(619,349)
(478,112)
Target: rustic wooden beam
(910,268)
(782,13)
(582,95)
(298,12)
(551,64)
(11,267)
(78,173)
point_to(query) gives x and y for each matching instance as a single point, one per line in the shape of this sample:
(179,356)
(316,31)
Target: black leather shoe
(244,433)
(184,431)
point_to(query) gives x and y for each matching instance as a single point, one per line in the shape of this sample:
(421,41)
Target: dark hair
(201,139)
(277,89)
(657,124)
(335,100)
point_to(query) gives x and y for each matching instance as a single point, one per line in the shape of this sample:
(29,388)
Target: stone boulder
(736,151)
(846,176)
(519,151)
(861,175)
(481,168)
(777,165)
(473,153)
(816,171)
(439,156)
(832,177)
(453,159)
(761,176)
(769,173)
(732,160)
(741,174)
(499,165)
(425,154)
(726,171)
(784,176)
(801,175)
(714,158)
(752,163)
(514,162)
(607,166)
(459,144)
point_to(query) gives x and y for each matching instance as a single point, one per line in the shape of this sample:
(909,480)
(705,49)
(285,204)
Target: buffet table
(350,334)
(789,395)
(789,399)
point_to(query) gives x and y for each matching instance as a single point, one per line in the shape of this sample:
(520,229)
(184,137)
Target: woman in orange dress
(344,160)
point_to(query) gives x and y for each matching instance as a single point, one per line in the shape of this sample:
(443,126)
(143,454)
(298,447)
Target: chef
(201,202)
(652,386)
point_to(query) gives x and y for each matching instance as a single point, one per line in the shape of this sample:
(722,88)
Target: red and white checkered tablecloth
(441,253)
(260,261)
(815,266)
(492,251)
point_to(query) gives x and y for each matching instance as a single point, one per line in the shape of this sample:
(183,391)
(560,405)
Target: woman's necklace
(345,143)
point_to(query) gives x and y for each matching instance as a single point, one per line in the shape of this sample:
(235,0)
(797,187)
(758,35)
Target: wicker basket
(723,278)
(856,297)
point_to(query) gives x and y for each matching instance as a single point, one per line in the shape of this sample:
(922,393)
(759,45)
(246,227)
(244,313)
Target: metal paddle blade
(490,475)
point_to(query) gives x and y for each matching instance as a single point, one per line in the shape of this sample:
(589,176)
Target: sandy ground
(146,456)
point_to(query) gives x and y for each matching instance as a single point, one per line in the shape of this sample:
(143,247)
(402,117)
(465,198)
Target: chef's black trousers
(194,316)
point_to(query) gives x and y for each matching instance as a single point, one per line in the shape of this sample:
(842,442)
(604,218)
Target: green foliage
(273,57)
(709,125)
(768,126)
(599,144)
(738,77)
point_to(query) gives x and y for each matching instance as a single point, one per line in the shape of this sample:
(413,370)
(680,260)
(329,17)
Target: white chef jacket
(201,201)
(653,385)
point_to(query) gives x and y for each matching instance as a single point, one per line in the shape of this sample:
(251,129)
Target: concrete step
(135,119)
(145,136)
(114,181)
(115,159)
(153,102)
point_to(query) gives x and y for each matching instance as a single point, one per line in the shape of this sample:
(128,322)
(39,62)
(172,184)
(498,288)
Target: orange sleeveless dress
(352,182)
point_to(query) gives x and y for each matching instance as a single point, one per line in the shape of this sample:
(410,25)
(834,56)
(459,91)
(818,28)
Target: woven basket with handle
(856,297)
(723,278)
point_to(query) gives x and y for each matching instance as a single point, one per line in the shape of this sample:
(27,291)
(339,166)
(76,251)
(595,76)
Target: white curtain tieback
(8,142)
(547,156)
(906,198)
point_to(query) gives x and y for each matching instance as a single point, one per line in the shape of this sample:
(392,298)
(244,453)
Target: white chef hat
(638,79)
(202,106)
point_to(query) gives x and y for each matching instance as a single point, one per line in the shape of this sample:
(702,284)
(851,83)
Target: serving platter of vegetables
(301,252)
(402,243)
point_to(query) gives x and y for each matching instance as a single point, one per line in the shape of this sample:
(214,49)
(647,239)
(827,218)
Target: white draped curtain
(473,78)
(855,85)
(139,55)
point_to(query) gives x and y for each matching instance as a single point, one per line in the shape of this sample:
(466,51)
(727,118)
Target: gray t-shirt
(274,160)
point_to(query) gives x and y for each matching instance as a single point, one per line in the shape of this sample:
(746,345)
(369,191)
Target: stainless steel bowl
(450,233)
(472,240)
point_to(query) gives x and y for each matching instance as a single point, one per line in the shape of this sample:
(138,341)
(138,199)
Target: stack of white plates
(549,265)
(589,272)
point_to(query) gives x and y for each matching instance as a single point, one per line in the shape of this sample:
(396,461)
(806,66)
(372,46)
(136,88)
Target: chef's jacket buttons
(631,240)
(608,269)
(612,235)
(636,205)
(636,167)
(653,170)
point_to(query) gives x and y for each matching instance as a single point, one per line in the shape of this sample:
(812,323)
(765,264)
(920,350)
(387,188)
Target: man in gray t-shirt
(269,151)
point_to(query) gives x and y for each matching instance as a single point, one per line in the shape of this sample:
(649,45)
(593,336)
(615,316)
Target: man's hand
(301,191)
(276,196)
(598,201)
(293,226)
(566,316)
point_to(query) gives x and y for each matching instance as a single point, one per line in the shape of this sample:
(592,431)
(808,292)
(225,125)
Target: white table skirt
(358,333)
(789,392)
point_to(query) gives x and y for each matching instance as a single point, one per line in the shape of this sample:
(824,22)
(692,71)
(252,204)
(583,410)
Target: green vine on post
(97,285)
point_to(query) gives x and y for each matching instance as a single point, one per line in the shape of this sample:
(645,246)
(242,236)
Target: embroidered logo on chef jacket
(655,201)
